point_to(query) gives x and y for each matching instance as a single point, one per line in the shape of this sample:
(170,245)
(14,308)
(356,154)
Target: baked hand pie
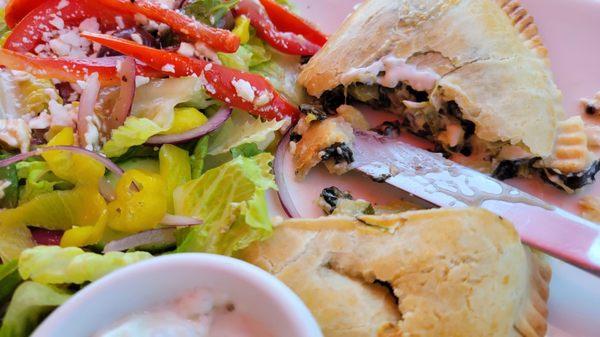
(472,76)
(446,272)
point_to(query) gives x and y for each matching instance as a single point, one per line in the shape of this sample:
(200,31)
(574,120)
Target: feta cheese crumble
(243,89)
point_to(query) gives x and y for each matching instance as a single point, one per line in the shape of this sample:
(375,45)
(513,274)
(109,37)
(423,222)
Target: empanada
(438,273)
(470,75)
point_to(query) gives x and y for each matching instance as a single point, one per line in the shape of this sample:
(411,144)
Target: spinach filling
(430,124)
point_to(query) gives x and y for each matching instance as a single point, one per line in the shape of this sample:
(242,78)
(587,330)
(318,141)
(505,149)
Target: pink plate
(570,31)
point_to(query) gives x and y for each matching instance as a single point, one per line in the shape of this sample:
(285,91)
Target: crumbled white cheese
(57,22)
(62,4)
(59,47)
(263,98)
(141,80)
(137,38)
(119,21)
(62,115)
(169,68)
(15,133)
(91,25)
(40,122)
(186,49)
(92,136)
(205,52)
(243,89)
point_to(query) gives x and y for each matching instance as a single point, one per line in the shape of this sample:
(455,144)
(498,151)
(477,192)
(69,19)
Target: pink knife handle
(557,232)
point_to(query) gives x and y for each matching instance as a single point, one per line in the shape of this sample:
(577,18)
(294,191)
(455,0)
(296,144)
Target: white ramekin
(162,279)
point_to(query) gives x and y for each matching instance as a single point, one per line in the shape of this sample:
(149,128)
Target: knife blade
(442,182)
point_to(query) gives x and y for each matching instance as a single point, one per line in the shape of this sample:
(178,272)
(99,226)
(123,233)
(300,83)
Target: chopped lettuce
(242,128)
(9,280)
(231,201)
(197,157)
(56,265)
(10,193)
(154,111)
(135,131)
(209,11)
(29,305)
(282,71)
(38,179)
(246,150)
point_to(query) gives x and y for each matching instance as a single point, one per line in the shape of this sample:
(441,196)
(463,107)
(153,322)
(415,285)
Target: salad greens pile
(81,209)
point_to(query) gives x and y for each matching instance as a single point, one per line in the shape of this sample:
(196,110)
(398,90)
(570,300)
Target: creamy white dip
(201,313)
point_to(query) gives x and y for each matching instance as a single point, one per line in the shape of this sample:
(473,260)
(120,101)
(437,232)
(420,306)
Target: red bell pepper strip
(286,42)
(287,21)
(28,33)
(68,69)
(15,10)
(220,82)
(218,39)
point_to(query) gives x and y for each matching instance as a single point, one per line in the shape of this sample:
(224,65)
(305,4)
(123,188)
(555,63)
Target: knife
(431,177)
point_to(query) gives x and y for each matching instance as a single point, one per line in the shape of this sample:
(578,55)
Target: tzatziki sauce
(200,313)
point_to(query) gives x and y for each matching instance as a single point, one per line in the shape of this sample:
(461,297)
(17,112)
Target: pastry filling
(445,127)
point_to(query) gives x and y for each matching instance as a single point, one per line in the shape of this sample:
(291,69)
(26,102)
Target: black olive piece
(332,99)
(507,169)
(319,113)
(339,152)
(147,40)
(590,109)
(332,194)
(388,129)
(466,150)
(438,148)
(420,96)
(305,59)
(468,127)
(64,90)
(454,110)
(295,137)
(574,180)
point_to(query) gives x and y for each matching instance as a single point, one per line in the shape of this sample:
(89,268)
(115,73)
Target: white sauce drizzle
(394,70)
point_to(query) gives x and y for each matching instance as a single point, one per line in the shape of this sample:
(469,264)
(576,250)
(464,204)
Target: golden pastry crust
(590,208)
(474,37)
(571,153)
(453,272)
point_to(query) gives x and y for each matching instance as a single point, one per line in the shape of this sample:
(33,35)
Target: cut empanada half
(438,273)
(472,76)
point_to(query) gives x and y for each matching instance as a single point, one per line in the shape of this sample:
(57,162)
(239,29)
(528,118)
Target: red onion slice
(87,103)
(114,168)
(46,237)
(124,102)
(179,220)
(283,156)
(213,123)
(161,236)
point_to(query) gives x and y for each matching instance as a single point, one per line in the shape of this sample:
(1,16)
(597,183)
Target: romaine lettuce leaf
(154,110)
(197,157)
(9,280)
(242,128)
(10,193)
(29,305)
(56,265)
(15,239)
(230,199)
(156,100)
(135,131)
(38,179)
(282,71)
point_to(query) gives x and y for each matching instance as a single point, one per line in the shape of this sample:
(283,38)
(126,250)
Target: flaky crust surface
(473,34)
(459,272)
